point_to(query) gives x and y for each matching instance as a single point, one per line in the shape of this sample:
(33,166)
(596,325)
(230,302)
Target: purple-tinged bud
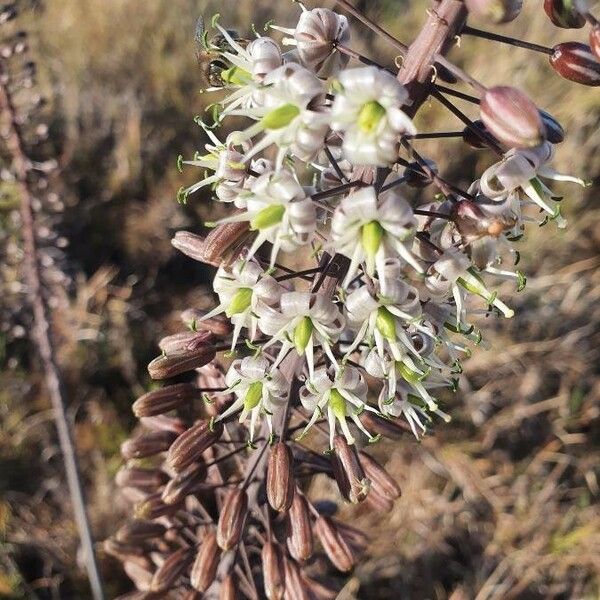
(273,574)
(139,530)
(392,428)
(280,477)
(232,518)
(190,445)
(511,117)
(168,573)
(576,62)
(141,479)
(564,13)
(379,503)
(555,134)
(471,138)
(147,444)
(183,484)
(218,325)
(229,588)
(154,507)
(381,480)
(295,588)
(595,40)
(495,11)
(204,569)
(300,537)
(335,546)
(165,366)
(163,400)
(164,423)
(348,471)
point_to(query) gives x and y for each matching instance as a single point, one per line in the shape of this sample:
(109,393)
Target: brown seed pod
(163,367)
(555,134)
(300,537)
(190,445)
(337,549)
(163,400)
(138,530)
(168,573)
(232,518)
(318,590)
(183,484)
(495,11)
(348,471)
(391,428)
(381,480)
(273,571)
(378,502)
(164,423)
(595,40)
(511,117)
(295,588)
(229,588)
(141,479)
(280,484)
(564,13)
(123,552)
(154,507)
(218,325)
(204,569)
(147,444)
(576,62)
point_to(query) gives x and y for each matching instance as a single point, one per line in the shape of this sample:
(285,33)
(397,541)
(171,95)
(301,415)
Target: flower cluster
(347,299)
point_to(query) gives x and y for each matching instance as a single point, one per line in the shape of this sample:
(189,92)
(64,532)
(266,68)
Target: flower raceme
(348,296)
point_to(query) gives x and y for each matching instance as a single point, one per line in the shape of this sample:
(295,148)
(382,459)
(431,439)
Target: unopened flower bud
(185,341)
(576,62)
(154,507)
(139,530)
(232,518)
(272,568)
(495,11)
(168,573)
(218,325)
(190,445)
(280,477)
(229,588)
(183,484)
(164,423)
(555,134)
(205,565)
(295,589)
(141,479)
(381,481)
(300,537)
(378,502)
(564,13)
(170,397)
(147,444)
(348,471)
(392,428)
(512,117)
(163,367)
(337,549)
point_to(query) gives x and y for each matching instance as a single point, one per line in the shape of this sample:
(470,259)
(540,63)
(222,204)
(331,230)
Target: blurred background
(501,503)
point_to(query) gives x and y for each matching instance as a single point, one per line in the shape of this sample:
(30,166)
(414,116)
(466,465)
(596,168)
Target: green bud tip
(337,403)
(370,115)
(372,234)
(280,117)
(302,334)
(268,217)
(386,323)
(253,395)
(240,302)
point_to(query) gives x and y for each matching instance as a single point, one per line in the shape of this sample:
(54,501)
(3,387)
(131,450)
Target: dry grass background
(502,503)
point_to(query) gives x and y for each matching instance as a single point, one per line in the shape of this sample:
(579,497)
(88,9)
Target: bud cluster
(359,343)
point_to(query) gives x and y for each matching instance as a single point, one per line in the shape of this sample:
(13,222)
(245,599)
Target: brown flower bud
(273,574)
(295,588)
(170,397)
(280,477)
(190,445)
(471,138)
(125,551)
(168,573)
(222,243)
(354,537)
(229,588)
(495,11)
(185,341)
(163,367)
(147,444)
(183,484)
(218,325)
(378,502)
(164,423)
(138,530)
(337,549)
(320,591)
(564,13)
(141,479)
(511,117)
(381,481)
(205,566)
(300,537)
(555,134)
(595,40)
(232,518)
(348,471)
(576,62)
(391,428)
(154,507)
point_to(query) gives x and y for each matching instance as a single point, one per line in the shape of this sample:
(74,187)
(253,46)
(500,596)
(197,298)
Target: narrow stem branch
(457,93)
(488,35)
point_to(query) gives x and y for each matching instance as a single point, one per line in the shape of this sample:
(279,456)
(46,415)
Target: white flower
(304,321)
(367,229)
(242,289)
(340,395)
(367,110)
(279,210)
(258,390)
(293,115)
